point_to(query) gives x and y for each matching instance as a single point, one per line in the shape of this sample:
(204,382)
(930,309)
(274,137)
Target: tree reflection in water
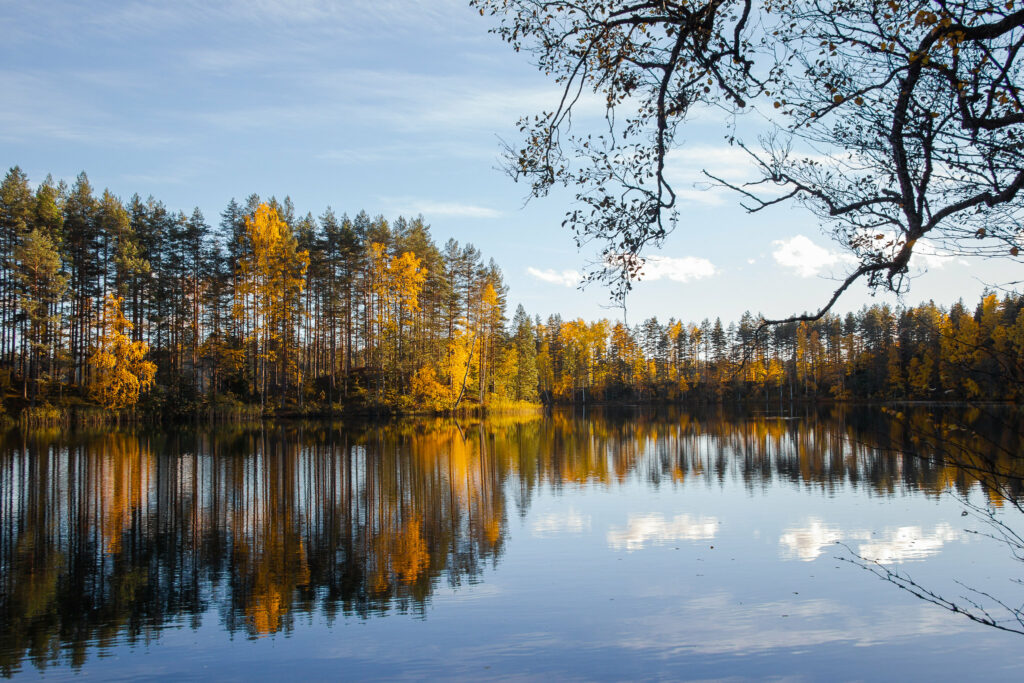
(112,537)
(984,444)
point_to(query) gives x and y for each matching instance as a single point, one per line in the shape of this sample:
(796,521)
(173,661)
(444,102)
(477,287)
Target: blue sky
(395,107)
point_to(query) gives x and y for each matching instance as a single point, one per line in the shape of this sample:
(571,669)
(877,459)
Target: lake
(628,544)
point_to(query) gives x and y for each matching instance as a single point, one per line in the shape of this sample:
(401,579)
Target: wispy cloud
(223,60)
(930,257)
(805,258)
(325,16)
(411,101)
(566,278)
(405,151)
(271,117)
(39,106)
(430,208)
(391,104)
(685,170)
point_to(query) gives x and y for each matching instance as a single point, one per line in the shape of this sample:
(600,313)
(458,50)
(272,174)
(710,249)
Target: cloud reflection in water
(554,523)
(654,528)
(890,546)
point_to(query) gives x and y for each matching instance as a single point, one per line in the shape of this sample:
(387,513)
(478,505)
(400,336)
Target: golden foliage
(271,278)
(397,283)
(427,392)
(119,367)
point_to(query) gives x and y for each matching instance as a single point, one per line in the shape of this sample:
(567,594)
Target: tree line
(268,307)
(925,352)
(109,302)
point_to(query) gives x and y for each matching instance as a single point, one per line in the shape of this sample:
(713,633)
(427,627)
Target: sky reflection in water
(616,546)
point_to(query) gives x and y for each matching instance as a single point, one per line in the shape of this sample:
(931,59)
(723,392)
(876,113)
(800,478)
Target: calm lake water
(599,546)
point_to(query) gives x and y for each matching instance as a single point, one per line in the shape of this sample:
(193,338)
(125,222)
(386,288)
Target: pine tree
(271,278)
(15,219)
(525,345)
(41,284)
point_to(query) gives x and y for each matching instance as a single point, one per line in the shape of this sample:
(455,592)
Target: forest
(119,306)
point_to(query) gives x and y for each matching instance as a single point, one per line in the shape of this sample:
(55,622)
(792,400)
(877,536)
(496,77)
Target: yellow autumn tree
(460,362)
(504,370)
(120,368)
(396,283)
(426,391)
(488,323)
(271,278)
(959,343)
(1015,351)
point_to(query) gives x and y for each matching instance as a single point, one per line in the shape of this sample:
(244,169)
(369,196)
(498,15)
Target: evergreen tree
(41,284)
(525,345)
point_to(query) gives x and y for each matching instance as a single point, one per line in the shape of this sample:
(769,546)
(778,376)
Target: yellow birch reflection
(125,467)
(110,537)
(269,558)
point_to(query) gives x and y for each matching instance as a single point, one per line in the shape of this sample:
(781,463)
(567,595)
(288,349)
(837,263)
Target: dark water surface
(606,546)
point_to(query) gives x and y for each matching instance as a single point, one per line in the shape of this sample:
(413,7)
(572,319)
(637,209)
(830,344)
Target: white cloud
(431,209)
(930,257)
(654,268)
(725,161)
(685,167)
(566,278)
(667,630)
(677,269)
(685,170)
(654,528)
(806,258)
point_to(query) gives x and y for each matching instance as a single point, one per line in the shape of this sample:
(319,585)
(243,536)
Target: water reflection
(908,543)
(556,523)
(891,546)
(112,537)
(809,541)
(655,529)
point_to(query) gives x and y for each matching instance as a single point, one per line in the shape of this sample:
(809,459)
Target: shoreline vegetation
(85,416)
(88,415)
(118,311)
